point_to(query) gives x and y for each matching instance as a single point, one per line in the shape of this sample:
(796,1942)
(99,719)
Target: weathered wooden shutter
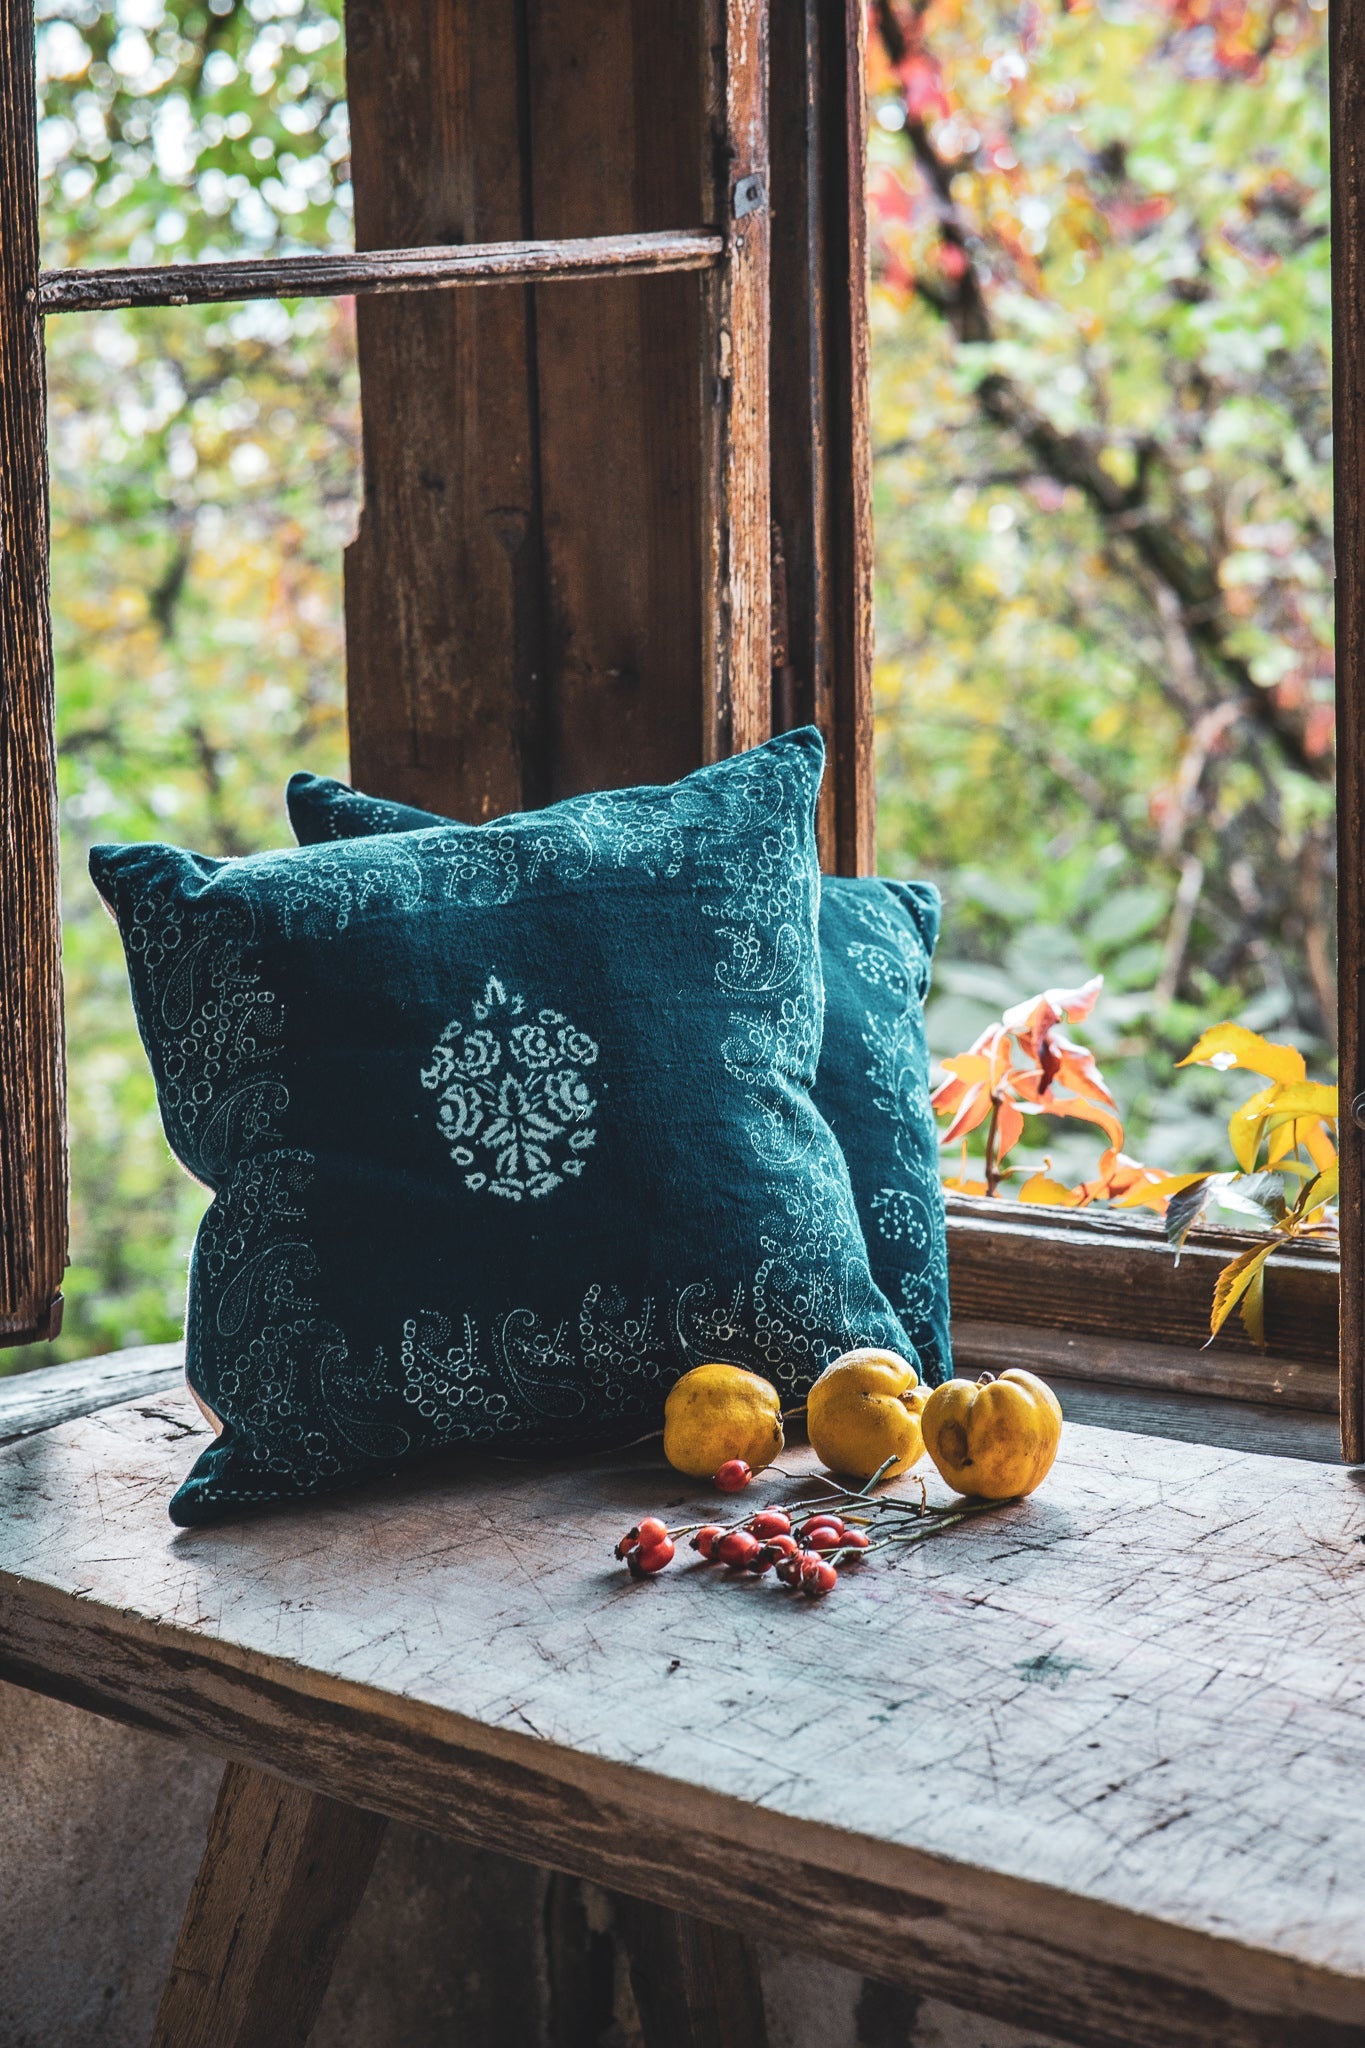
(562,575)
(32,1064)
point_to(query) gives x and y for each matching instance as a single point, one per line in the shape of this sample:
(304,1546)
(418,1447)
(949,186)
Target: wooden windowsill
(1086,1772)
(1100,1296)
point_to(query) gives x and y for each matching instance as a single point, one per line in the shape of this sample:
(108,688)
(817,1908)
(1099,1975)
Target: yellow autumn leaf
(1039,1188)
(1232,1045)
(1317,1143)
(1253,1306)
(1282,1140)
(1233,1282)
(1305,1098)
(1324,1189)
(1246,1127)
(1157,1190)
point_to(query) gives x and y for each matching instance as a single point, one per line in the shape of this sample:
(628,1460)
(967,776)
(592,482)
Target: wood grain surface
(1347,41)
(30,1401)
(696,1985)
(525,596)
(1111,1359)
(32,1060)
(445,630)
(336,272)
(1089,1764)
(738,635)
(282,1874)
(616,126)
(844,113)
(822,502)
(1113,1276)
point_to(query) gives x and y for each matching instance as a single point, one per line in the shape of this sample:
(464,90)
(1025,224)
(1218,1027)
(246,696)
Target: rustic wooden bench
(1091,1764)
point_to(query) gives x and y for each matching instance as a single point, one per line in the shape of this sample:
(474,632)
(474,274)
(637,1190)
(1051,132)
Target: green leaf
(1187,1207)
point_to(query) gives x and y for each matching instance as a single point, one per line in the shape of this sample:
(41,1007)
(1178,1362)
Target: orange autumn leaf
(1009,1128)
(1126,1181)
(1032,1022)
(1040,1187)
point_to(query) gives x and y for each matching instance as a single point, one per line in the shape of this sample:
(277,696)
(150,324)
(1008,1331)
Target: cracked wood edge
(34,1401)
(1005,1947)
(1096,1964)
(334,274)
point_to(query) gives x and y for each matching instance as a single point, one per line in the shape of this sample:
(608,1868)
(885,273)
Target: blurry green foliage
(1109,223)
(204,477)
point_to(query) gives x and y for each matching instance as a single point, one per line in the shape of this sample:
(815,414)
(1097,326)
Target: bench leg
(282,1874)
(695,1985)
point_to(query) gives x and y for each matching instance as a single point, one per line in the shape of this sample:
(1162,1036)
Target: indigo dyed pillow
(877,941)
(507,1126)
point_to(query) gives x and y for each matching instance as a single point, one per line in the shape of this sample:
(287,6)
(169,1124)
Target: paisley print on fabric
(877,941)
(507,1125)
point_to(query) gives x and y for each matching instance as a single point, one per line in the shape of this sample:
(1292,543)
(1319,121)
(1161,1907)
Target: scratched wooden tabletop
(1116,1732)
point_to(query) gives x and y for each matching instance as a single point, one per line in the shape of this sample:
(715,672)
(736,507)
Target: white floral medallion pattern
(515,1105)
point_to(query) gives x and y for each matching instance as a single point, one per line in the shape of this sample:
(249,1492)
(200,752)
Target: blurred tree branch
(1181,563)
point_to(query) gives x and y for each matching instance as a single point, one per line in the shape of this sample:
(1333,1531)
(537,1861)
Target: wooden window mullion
(1348,375)
(33,1191)
(738,626)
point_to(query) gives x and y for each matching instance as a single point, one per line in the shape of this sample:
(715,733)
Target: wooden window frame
(1095,1295)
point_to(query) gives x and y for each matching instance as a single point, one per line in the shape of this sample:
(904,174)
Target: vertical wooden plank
(444,584)
(282,1874)
(1348,356)
(696,1985)
(32,1069)
(616,117)
(845,110)
(739,612)
(820,443)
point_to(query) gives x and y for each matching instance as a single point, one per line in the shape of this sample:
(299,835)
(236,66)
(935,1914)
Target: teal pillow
(877,942)
(507,1126)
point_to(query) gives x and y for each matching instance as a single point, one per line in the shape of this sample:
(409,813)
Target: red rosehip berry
(817,1578)
(817,1524)
(737,1547)
(789,1570)
(647,1559)
(628,1542)
(705,1541)
(781,1546)
(770,1522)
(854,1539)
(733,1476)
(652,1531)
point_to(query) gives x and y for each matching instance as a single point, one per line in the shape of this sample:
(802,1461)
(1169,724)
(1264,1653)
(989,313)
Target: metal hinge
(750,195)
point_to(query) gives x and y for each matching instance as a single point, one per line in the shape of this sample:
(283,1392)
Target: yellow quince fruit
(864,1409)
(995,1438)
(719,1412)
